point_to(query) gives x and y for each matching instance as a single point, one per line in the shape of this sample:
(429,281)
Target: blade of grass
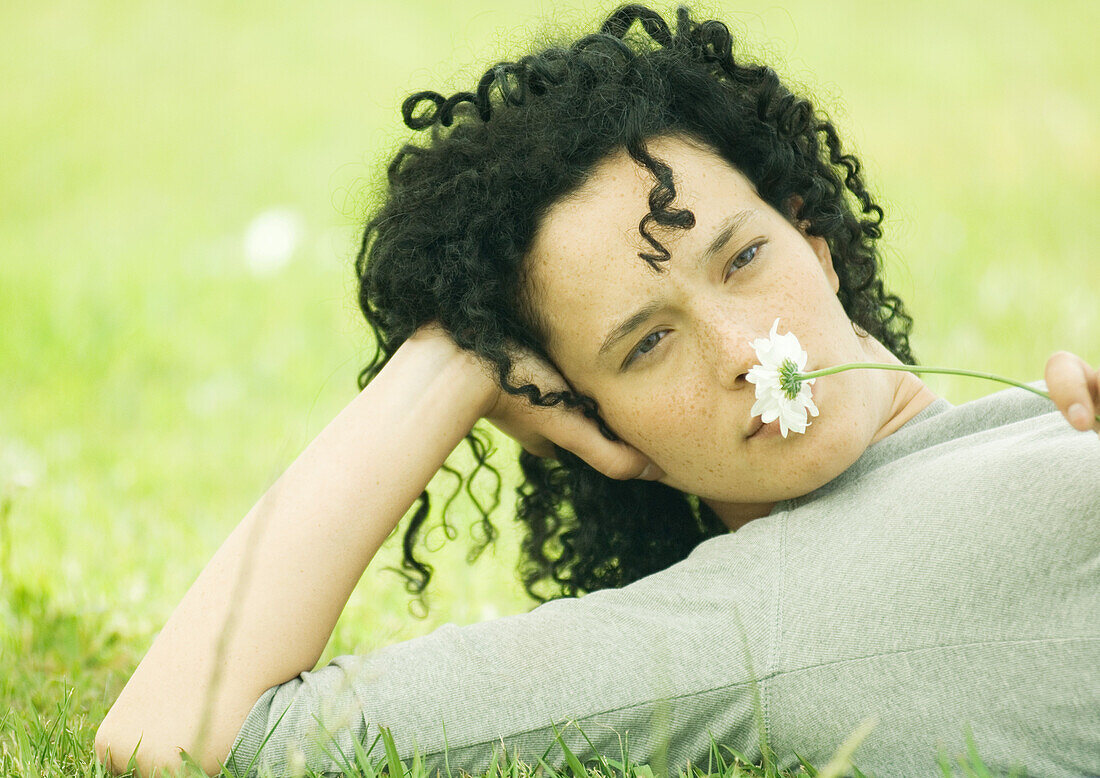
(605,768)
(714,756)
(546,753)
(944,762)
(396,766)
(362,761)
(131,763)
(842,758)
(570,758)
(514,772)
(494,766)
(551,772)
(624,752)
(738,755)
(972,750)
(263,742)
(446,748)
(805,766)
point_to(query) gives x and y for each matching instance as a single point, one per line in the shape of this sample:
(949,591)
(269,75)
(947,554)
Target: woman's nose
(732,354)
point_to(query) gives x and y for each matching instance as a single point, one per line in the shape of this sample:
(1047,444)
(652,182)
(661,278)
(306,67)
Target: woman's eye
(750,252)
(647,344)
(642,346)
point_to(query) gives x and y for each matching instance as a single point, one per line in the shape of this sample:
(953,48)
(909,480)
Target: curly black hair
(449,239)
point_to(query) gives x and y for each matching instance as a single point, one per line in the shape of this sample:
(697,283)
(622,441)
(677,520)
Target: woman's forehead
(597,226)
(615,197)
(584,267)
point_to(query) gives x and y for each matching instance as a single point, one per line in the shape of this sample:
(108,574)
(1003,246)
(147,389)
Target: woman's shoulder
(996,444)
(1010,431)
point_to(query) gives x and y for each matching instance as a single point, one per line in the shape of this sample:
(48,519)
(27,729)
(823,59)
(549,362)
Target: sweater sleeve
(672,659)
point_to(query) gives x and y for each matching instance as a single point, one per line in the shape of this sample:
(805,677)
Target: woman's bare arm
(284,575)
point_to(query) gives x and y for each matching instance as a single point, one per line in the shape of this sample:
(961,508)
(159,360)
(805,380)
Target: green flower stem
(920,369)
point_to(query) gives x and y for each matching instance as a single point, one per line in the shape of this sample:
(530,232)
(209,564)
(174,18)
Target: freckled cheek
(637,420)
(661,424)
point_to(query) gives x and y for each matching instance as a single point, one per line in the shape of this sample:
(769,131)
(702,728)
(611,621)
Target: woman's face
(674,385)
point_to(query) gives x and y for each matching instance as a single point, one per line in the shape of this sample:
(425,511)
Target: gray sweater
(946,584)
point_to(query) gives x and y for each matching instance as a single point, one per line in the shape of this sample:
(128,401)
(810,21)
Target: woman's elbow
(117,749)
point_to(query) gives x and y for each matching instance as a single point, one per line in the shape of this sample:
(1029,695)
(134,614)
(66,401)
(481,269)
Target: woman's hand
(1072,382)
(536,428)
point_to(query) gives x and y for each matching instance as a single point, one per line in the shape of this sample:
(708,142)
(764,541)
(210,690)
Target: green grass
(152,386)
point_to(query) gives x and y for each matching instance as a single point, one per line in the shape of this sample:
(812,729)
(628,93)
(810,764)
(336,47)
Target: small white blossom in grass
(271,239)
(296,762)
(20,467)
(779,392)
(783,390)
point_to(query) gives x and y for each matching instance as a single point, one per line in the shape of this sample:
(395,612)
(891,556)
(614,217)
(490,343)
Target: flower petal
(772,402)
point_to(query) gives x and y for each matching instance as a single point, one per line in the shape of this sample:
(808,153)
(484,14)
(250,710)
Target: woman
(584,258)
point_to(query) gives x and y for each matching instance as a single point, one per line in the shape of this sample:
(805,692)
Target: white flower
(296,761)
(271,239)
(780,393)
(20,467)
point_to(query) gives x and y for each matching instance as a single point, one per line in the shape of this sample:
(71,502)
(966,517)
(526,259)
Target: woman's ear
(794,205)
(824,256)
(817,242)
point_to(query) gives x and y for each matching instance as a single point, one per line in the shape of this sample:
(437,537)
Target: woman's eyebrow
(726,230)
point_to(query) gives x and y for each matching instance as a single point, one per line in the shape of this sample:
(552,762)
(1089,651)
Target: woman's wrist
(439,356)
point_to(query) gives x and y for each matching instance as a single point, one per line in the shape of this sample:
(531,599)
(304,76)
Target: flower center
(789,381)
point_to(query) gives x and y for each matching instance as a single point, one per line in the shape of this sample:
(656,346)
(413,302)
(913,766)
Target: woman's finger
(570,429)
(538,429)
(1072,383)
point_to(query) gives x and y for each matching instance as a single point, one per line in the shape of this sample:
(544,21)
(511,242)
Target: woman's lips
(762,430)
(765,430)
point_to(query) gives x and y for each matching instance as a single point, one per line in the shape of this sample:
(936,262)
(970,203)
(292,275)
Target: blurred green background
(181,188)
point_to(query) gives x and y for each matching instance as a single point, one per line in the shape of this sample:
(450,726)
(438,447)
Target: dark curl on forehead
(458,215)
